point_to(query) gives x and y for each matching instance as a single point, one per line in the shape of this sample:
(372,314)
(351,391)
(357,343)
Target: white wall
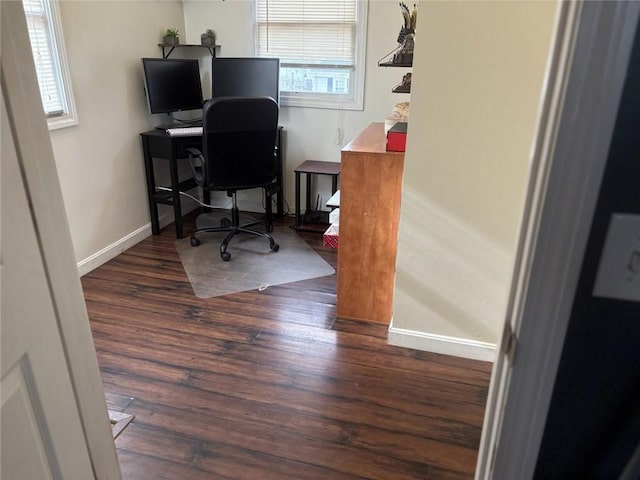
(100,161)
(479,71)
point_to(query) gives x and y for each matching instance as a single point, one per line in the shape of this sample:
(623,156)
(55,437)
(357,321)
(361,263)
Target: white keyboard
(184,131)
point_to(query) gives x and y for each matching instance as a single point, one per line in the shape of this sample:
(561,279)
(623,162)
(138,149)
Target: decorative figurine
(208,38)
(405,37)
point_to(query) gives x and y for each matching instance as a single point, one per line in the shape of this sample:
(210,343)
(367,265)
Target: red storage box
(330,237)
(397,137)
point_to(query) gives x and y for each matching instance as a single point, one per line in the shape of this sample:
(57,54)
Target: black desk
(158,144)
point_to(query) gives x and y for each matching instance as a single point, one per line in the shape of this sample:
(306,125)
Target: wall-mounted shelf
(168,49)
(402,87)
(395,64)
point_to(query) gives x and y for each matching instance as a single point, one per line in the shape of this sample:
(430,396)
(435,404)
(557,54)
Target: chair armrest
(196,161)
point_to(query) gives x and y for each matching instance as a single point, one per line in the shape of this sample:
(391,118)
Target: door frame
(29,129)
(585,78)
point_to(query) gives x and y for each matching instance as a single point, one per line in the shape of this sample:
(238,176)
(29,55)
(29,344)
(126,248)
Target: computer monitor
(247,76)
(172,85)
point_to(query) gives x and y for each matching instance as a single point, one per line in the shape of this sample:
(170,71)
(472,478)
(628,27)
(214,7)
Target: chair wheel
(225,256)
(225,222)
(195,241)
(275,247)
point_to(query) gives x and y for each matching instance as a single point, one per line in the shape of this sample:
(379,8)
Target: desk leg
(151,187)
(206,198)
(280,201)
(268,211)
(175,192)
(297,200)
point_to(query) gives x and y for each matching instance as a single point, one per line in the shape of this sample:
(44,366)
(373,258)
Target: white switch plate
(619,271)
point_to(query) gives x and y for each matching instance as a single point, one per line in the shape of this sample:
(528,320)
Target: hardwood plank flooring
(270,385)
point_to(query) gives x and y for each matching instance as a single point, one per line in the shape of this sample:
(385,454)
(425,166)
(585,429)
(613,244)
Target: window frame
(354,101)
(69,117)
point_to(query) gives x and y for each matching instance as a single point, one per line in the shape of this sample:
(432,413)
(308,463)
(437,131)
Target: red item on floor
(330,237)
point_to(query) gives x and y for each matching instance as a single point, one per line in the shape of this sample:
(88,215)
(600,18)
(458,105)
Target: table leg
(297,200)
(308,193)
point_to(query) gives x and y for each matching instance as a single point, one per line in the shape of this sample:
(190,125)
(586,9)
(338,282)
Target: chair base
(234,228)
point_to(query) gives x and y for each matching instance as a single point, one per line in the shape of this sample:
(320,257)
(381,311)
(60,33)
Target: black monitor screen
(250,76)
(172,85)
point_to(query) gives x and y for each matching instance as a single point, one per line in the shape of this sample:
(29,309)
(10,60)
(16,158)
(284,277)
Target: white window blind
(320,32)
(46,45)
(320,44)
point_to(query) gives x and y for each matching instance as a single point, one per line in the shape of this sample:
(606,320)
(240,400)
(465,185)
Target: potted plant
(208,38)
(171,36)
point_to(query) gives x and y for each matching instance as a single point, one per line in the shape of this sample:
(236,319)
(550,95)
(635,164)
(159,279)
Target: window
(45,33)
(321,46)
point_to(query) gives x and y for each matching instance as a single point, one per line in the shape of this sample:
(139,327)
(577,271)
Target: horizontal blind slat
(332,45)
(307,11)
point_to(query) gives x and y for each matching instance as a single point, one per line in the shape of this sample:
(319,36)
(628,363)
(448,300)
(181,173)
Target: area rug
(252,265)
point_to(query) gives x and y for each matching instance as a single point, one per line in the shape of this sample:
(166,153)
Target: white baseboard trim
(429,342)
(116,248)
(110,251)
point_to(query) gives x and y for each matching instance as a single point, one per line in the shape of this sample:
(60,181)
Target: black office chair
(238,153)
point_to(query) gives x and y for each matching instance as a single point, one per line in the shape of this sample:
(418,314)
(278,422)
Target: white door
(585,80)
(53,418)
(39,416)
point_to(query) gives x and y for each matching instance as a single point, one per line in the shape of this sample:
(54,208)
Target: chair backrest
(238,140)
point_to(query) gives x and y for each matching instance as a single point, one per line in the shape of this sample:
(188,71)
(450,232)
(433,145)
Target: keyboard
(184,131)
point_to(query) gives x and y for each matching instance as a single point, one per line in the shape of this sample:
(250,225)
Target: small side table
(314,167)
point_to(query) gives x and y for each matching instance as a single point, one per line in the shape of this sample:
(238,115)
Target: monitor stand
(174,123)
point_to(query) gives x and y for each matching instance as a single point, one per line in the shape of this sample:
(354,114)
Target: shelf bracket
(166,54)
(167,50)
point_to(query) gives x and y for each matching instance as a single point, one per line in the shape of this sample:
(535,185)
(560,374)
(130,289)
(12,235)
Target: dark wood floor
(270,385)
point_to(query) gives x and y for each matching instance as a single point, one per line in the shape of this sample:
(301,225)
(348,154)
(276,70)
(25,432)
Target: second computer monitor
(247,76)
